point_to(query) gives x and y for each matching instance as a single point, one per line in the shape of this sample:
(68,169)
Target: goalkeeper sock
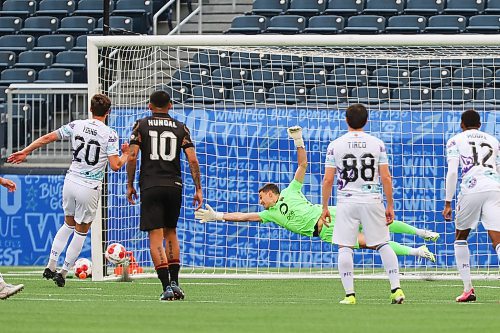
(174,267)
(74,250)
(58,245)
(399,227)
(163,274)
(1,279)
(346,269)
(391,265)
(462,257)
(403,250)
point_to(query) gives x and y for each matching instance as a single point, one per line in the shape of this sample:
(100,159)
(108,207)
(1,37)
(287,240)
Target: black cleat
(59,280)
(178,292)
(167,295)
(48,274)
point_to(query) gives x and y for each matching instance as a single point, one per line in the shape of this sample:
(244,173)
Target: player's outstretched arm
(131,166)
(194,166)
(208,215)
(295,133)
(116,162)
(8,184)
(20,156)
(386,180)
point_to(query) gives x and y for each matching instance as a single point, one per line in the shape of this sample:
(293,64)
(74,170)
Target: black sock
(394,290)
(174,272)
(353,294)
(163,276)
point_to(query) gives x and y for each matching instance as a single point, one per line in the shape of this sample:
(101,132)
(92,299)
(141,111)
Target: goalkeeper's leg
(399,227)
(402,250)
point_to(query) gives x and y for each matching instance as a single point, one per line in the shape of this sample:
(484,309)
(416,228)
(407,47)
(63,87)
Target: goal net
(238,95)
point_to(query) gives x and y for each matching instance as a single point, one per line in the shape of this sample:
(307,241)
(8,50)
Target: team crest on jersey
(472,182)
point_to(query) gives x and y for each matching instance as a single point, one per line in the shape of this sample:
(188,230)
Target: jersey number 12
(159,150)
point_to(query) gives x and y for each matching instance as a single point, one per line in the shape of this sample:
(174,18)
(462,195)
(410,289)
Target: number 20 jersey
(478,153)
(92,142)
(357,156)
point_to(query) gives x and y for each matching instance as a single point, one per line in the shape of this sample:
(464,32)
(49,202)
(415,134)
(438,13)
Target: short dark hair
(100,104)
(356,116)
(270,187)
(160,99)
(471,118)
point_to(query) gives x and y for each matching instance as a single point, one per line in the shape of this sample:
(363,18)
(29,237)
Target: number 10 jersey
(357,156)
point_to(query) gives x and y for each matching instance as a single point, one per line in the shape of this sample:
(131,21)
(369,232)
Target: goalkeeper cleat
(48,274)
(467,296)
(424,252)
(397,297)
(430,236)
(348,300)
(167,295)
(7,290)
(178,292)
(59,280)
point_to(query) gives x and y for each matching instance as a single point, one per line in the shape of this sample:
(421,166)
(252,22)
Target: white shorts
(475,207)
(371,217)
(80,201)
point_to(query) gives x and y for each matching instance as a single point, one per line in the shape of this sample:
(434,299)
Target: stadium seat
(140,11)
(247,94)
(306,7)
(492,7)
(446,24)
(92,8)
(348,76)
(206,95)
(248,24)
(407,63)
(369,95)
(370,63)
(289,24)
(81,43)
(74,60)
(365,24)
(491,95)
(77,25)
(448,62)
(17,75)
(384,7)
(430,77)
(388,76)
(34,59)
(464,7)
(496,80)
(3,98)
(492,63)
(40,25)
(286,95)
(284,61)
(178,94)
(327,63)
(307,76)
(55,75)
(190,76)
(54,43)
(453,95)
(117,25)
(269,7)
(344,7)
(325,24)
(16,43)
(58,8)
(228,77)
(248,60)
(21,121)
(10,25)
(484,24)
(411,95)
(210,59)
(328,94)
(18,8)
(406,24)
(424,7)
(7,59)
(472,77)
(267,77)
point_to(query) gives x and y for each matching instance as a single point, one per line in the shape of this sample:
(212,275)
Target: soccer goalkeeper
(291,210)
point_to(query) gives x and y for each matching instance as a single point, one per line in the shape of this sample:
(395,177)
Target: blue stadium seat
(411,95)
(384,7)
(486,62)
(496,80)
(284,61)
(210,59)
(139,10)
(55,75)
(430,77)
(92,8)
(491,95)
(248,24)
(117,25)
(424,7)
(35,59)
(190,76)
(269,7)
(464,7)
(328,94)
(369,95)
(286,95)
(10,25)
(306,7)
(247,94)
(484,24)
(325,24)
(289,24)
(58,8)
(17,75)
(307,76)
(348,76)
(7,59)
(472,77)
(40,25)
(453,95)
(492,7)
(19,8)
(54,43)
(228,77)
(448,62)
(3,99)
(344,7)
(389,76)
(327,63)
(446,24)
(206,95)
(406,24)
(16,43)
(365,24)
(77,25)
(81,43)
(74,60)
(267,77)
(178,94)
(407,63)
(248,60)
(370,63)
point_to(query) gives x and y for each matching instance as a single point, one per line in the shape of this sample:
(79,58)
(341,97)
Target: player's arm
(8,184)
(208,214)
(386,180)
(116,162)
(20,156)
(295,133)
(450,186)
(131,166)
(194,166)
(326,193)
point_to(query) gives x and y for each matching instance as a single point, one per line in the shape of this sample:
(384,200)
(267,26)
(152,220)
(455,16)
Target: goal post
(238,94)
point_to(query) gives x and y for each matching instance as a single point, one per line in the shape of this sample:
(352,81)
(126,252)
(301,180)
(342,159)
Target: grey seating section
(348,76)
(177,94)
(10,24)
(190,76)
(453,95)
(288,94)
(448,62)
(491,95)
(344,7)
(424,7)
(406,24)
(140,11)
(248,24)
(389,76)
(55,75)
(17,75)
(430,77)
(228,77)
(325,24)
(492,7)
(59,8)
(80,43)
(472,77)
(117,24)
(54,43)
(7,59)
(446,24)
(285,61)
(92,8)
(35,59)
(306,7)
(307,76)
(384,7)
(464,7)
(286,24)
(328,63)
(74,60)
(248,59)
(269,7)
(328,94)
(247,94)
(369,95)
(411,95)
(365,24)
(40,25)
(407,63)
(496,79)
(206,95)
(19,8)
(16,43)
(77,25)
(484,24)
(210,59)
(267,77)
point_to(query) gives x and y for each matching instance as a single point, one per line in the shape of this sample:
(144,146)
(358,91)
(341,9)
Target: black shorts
(160,207)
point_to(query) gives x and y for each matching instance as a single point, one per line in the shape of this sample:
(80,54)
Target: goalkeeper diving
(291,210)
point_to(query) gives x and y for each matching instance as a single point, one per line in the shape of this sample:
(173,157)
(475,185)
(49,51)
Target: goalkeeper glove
(295,132)
(207,215)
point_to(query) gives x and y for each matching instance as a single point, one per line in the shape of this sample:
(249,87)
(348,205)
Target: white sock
(1,279)
(391,265)
(346,269)
(463,262)
(59,244)
(74,249)
(497,248)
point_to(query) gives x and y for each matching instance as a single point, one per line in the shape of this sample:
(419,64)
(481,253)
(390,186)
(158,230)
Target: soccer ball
(83,268)
(115,253)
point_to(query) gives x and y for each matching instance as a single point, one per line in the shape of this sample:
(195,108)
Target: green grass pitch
(239,305)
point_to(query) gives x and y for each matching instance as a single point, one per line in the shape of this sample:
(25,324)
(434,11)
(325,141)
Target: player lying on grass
(291,210)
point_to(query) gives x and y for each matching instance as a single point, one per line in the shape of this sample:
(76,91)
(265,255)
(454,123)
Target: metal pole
(105,17)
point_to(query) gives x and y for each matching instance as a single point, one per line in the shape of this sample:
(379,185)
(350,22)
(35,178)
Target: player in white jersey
(94,144)
(358,158)
(479,198)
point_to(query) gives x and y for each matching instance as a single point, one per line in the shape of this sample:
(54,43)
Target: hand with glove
(295,133)
(208,215)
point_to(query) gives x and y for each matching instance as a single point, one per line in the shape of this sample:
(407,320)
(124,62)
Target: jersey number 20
(159,150)
(92,144)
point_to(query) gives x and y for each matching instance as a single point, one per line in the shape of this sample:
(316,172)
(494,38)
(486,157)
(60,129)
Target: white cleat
(430,236)
(7,290)
(424,252)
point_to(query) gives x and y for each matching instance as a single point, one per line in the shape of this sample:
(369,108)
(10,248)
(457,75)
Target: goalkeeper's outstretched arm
(208,215)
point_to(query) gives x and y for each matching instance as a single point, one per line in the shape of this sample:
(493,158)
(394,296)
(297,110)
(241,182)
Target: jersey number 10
(159,150)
